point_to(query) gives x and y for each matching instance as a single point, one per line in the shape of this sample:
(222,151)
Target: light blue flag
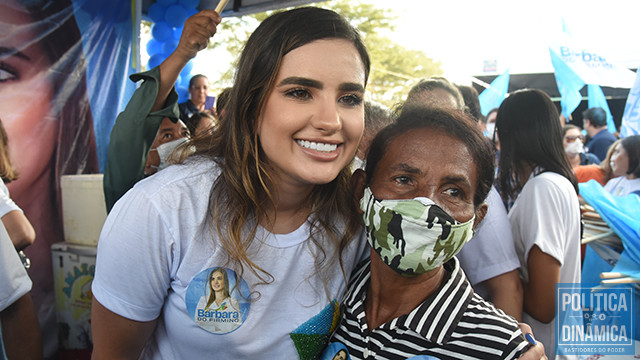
(492,96)
(597,99)
(631,117)
(569,84)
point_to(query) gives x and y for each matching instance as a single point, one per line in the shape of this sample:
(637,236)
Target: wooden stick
(624,280)
(221,5)
(597,237)
(611,275)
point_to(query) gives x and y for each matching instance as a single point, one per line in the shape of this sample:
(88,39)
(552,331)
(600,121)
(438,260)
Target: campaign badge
(335,351)
(218,300)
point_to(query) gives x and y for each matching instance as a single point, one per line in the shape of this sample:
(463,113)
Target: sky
(463,34)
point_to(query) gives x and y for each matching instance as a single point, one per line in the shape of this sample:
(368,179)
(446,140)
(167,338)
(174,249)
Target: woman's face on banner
(26,92)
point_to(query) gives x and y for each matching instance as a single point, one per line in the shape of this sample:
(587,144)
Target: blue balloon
(154,47)
(156,12)
(189,4)
(192,12)
(92,7)
(169,46)
(183,94)
(166,3)
(185,80)
(177,32)
(161,31)
(176,15)
(156,60)
(186,71)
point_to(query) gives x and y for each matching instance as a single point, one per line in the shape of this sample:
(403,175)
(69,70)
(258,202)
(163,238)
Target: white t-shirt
(621,186)
(547,214)
(154,256)
(6,204)
(14,281)
(491,251)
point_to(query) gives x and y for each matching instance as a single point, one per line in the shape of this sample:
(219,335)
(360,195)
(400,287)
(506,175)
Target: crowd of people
(293,219)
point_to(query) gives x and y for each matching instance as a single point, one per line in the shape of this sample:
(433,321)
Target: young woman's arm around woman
(264,201)
(117,337)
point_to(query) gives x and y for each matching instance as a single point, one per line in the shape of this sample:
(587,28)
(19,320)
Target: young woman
(266,197)
(545,218)
(625,167)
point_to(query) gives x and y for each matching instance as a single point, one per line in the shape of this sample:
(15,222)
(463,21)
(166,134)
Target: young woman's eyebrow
(296,80)
(7,52)
(351,87)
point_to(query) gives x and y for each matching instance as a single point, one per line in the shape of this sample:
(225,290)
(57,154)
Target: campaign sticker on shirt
(336,351)
(218,300)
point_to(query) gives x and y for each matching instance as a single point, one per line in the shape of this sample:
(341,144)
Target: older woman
(422,195)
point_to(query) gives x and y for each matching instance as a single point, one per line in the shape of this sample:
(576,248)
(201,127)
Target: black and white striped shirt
(453,323)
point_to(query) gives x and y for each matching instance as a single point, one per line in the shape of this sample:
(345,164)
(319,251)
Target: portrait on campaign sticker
(335,351)
(217,300)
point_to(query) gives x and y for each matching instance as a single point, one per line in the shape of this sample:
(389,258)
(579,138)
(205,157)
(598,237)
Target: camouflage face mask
(412,236)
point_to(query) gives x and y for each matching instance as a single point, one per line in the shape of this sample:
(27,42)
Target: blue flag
(569,84)
(597,99)
(492,96)
(631,116)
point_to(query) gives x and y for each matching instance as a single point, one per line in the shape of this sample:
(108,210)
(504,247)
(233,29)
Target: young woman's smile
(314,116)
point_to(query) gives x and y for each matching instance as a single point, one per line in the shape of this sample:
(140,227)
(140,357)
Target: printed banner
(63,71)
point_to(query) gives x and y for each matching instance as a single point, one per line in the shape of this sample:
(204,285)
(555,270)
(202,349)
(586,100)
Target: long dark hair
(239,194)
(631,145)
(530,135)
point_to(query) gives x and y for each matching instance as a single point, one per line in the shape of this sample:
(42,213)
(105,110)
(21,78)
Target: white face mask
(491,128)
(165,150)
(574,148)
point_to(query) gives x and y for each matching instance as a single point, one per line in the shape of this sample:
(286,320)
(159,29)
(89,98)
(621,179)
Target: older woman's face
(26,92)
(428,163)
(619,161)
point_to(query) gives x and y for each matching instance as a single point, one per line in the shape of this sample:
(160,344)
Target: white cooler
(83,208)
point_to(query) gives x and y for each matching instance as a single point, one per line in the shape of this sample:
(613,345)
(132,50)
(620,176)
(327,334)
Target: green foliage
(394,68)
